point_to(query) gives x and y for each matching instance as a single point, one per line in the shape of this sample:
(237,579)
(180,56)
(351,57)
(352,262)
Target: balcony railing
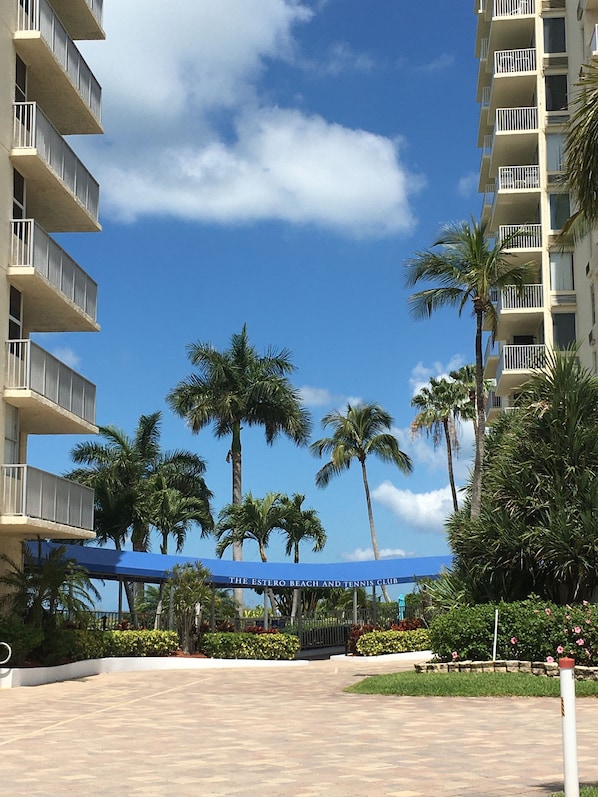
(38,15)
(33,130)
(30,492)
(493,349)
(522,236)
(485,98)
(29,367)
(507,61)
(512,120)
(521,357)
(530,298)
(487,145)
(513,8)
(33,247)
(493,402)
(518,177)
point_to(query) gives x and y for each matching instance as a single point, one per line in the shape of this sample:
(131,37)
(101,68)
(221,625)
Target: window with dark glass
(556,92)
(18,195)
(560,210)
(554,35)
(563,326)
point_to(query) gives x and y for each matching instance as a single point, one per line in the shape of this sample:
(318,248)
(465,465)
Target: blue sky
(274,163)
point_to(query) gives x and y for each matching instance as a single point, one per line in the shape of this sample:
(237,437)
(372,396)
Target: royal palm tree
(362,430)
(439,410)
(467,268)
(300,525)
(239,387)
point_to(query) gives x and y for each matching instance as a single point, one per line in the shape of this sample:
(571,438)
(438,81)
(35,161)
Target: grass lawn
(585,791)
(455,684)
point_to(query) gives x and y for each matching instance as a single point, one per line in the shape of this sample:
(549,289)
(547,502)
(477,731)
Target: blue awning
(108,563)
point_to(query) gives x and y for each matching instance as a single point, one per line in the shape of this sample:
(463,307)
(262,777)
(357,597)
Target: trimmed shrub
(22,639)
(250,646)
(377,643)
(529,630)
(141,643)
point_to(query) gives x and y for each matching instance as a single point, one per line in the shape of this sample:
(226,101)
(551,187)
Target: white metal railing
(493,402)
(32,129)
(487,145)
(522,236)
(518,177)
(521,357)
(38,15)
(529,298)
(30,492)
(594,40)
(513,8)
(485,98)
(507,61)
(29,367)
(97,9)
(32,246)
(514,119)
(489,194)
(484,49)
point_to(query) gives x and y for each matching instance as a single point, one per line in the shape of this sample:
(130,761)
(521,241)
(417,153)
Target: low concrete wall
(35,676)
(545,668)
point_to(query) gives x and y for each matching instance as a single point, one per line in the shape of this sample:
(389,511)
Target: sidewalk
(279,732)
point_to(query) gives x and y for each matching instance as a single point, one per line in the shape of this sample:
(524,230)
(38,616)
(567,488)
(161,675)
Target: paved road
(279,732)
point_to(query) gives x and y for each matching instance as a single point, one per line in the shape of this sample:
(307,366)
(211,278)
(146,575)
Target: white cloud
(67,356)
(439,64)
(192,133)
(421,374)
(424,511)
(316,396)
(367,554)
(341,59)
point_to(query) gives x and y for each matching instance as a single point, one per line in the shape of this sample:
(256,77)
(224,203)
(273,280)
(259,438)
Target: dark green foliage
(378,643)
(250,646)
(21,638)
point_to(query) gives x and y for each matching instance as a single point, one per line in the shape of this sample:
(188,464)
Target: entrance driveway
(287,731)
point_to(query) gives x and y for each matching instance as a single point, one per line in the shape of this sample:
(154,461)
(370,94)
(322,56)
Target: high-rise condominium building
(47,93)
(530,55)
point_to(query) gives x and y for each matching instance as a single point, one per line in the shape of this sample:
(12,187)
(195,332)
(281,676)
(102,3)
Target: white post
(567,679)
(266,609)
(495,635)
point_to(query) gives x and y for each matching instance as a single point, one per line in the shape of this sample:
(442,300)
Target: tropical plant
(439,408)
(467,268)
(239,387)
(254,519)
(362,430)
(300,525)
(42,589)
(536,531)
(190,585)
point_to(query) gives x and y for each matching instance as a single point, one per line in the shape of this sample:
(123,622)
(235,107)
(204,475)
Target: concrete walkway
(279,732)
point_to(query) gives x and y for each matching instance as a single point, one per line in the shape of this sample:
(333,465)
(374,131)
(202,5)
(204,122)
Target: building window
(20,81)
(593,303)
(561,271)
(555,147)
(15,324)
(554,35)
(18,195)
(556,92)
(563,330)
(560,211)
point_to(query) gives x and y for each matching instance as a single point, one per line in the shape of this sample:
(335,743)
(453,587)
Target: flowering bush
(357,631)
(529,630)
(250,646)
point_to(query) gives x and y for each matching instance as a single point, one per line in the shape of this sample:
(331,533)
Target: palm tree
(467,269)
(361,430)
(254,519)
(300,525)
(581,153)
(239,387)
(439,406)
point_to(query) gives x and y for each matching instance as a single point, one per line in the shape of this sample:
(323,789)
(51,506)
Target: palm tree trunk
(449,458)
(476,479)
(235,454)
(371,519)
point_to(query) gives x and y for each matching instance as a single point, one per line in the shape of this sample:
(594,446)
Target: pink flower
(455,654)
(513,640)
(549,659)
(560,649)
(585,603)
(568,616)
(577,630)
(580,642)
(588,621)
(547,611)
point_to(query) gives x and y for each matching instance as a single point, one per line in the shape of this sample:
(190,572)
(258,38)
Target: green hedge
(530,630)
(141,643)
(21,638)
(378,643)
(250,646)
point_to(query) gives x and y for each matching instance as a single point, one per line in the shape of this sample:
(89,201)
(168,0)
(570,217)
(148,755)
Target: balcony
(58,77)
(513,8)
(521,236)
(488,201)
(51,397)
(82,18)
(516,364)
(61,194)
(517,194)
(515,136)
(514,77)
(493,405)
(491,356)
(60,296)
(36,503)
(517,311)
